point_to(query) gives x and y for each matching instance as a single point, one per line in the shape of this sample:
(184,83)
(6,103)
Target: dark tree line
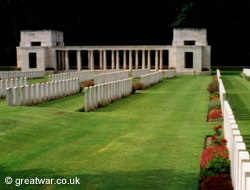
(129,22)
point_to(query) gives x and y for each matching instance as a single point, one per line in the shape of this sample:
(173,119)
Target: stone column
(89,60)
(101,59)
(104,60)
(161,60)
(92,65)
(112,59)
(117,60)
(156,60)
(143,59)
(66,60)
(79,60)
(136,59)
(149,60)
(130,60)
(124,60)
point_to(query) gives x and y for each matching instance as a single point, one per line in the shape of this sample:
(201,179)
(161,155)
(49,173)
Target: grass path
(238,93)
(150,140)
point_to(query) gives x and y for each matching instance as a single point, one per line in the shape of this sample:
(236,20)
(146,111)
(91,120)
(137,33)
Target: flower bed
(214,106)
(215,164)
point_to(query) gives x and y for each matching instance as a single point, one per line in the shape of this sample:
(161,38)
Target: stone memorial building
(45,50)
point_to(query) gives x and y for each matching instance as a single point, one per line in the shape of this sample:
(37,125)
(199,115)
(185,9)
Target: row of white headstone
(109,77)
(151,78)
(222,90)
(139,72)
(41,92)
(10,83)
(103,94)
(238,154)
(21,74)
(82,75)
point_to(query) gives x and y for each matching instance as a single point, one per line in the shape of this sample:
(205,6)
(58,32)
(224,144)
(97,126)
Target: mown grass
(238,91)
(150,140)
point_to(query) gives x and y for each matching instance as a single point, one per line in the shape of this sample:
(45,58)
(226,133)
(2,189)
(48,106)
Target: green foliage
(244,76)
(217,165)
(182,15)
(137,86)
(86,83)
(214,104)
(213,87)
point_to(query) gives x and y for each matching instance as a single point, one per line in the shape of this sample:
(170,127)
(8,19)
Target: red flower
(215,114)
(223,141)
(209,153)
(219,127)
(213,138)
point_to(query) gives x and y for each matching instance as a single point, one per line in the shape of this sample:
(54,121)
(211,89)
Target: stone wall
(23,58)
(167,74)
(48,38)
(190,34)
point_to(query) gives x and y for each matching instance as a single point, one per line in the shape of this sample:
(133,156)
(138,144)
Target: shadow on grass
(240,110)
(118,104)
(246,139)
(227,83)
(150,179)
(232,72)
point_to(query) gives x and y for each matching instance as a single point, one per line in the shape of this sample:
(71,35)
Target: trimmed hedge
(214,105)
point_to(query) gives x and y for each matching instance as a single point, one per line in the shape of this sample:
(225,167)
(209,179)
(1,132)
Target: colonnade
(131,59)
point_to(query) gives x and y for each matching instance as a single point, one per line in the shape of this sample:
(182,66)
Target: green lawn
(150,140)
(33,81)
(238,93)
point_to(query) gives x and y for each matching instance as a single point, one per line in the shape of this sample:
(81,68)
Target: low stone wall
(167,74)
(238,154)
(82,75)
(104,94)
(10,83)
(41,92)
(21,74)
(246,72)
(196,73)
(138,73)
(151,78)
(106,71)
(109,77)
